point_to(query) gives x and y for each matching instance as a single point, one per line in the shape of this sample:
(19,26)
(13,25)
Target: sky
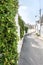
(28,9)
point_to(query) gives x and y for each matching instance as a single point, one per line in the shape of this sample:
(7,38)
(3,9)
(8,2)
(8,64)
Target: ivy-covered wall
(21,23)
(8,33)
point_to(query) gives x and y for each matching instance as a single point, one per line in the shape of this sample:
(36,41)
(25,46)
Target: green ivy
(8,33)
(21,23)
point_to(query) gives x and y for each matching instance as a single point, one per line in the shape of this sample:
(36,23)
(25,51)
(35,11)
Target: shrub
(26,29)
(8,33)
(37,34)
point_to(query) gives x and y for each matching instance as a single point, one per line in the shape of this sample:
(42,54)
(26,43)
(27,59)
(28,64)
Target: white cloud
(25,14)
(23,7)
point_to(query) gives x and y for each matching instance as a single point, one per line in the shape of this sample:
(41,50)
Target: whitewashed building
(42,30)
(39,27)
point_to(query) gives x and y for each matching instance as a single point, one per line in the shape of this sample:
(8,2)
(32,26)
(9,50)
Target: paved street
(32,51)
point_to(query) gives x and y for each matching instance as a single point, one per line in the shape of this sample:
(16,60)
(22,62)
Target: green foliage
(21,23)
(8,33)
(26,29)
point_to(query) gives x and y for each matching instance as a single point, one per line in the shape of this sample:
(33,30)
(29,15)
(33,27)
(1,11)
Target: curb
(41,38)
(20,43)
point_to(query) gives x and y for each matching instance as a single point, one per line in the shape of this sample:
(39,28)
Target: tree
(8,33)
(21,23)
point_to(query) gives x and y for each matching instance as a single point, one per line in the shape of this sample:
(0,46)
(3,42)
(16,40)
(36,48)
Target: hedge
(8,33)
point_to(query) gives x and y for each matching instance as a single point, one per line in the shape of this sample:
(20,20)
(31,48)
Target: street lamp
(40,16)
(38,24)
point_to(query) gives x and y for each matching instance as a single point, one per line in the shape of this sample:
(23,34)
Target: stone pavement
(32,51)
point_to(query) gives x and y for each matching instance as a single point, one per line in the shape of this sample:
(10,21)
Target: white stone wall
(18,27)
(42,30)
(37,28)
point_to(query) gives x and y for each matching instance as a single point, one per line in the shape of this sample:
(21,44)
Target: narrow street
(32,51)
